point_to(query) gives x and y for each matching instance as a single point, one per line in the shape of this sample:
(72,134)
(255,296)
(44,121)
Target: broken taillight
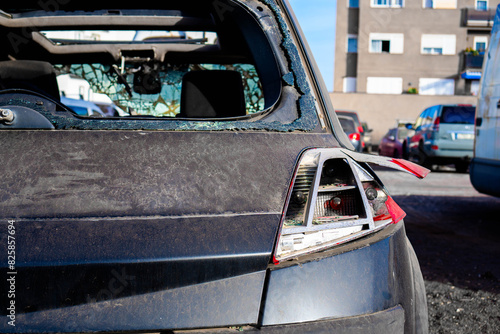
(335,199)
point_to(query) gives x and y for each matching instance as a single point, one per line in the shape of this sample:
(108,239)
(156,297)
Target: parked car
(485,165)
(81,107)
(107,106)
(391,144)
(229,200)
(444,134)
(354,115)
(351,131)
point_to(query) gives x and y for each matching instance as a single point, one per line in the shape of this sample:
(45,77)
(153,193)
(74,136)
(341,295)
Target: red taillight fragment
(360,129)
(397,214)
(399,164)
(434,147)
(411,167)
(382,217)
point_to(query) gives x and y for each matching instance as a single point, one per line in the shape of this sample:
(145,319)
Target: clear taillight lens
(334,199)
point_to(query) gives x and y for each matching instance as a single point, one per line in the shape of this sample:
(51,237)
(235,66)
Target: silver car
(444,134)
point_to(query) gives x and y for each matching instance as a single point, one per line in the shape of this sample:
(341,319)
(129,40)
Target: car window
(347,125)
(430,115)
(403,133)
(458,114)
(421,119)
(166,101)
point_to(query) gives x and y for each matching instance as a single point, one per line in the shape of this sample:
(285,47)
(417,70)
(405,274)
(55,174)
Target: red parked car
(392,143)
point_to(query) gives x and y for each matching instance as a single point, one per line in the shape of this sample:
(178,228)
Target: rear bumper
(449,156)
(387,321)
(383,322)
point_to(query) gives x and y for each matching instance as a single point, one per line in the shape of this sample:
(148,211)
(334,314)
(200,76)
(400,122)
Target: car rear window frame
(296,93)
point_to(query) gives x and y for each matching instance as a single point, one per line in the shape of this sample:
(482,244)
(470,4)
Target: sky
(317,20)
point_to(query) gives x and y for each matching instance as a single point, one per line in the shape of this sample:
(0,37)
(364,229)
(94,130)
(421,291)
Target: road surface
(456,234)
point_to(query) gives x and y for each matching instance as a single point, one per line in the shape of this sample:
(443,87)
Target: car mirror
(147,80)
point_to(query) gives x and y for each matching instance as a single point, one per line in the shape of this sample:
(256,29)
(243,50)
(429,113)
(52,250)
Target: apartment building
(394,58)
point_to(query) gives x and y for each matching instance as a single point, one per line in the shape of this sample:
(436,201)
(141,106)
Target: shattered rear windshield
(103,85)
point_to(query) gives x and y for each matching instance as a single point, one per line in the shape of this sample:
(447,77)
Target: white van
(485,166)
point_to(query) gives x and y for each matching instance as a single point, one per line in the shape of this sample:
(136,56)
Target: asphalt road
(456,234)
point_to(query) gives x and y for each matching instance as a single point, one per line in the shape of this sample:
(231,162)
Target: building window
(432,51)
(352,43)
(349,85)
(440,4)
(438,44)
(436,86)
(384,85)
(353,3)
(480,43)
(387,3)
(482,4)
(390,43)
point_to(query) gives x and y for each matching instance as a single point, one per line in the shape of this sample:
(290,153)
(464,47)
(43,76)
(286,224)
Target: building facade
(394,58)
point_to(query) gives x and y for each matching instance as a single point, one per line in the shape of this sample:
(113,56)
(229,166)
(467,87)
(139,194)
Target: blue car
(82,107)
(443,134)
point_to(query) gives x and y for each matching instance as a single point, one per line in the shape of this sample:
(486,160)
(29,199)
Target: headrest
(34,75)
(212,94)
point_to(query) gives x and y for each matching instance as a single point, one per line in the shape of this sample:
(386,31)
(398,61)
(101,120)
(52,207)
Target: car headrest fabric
(212,94)
(37,76)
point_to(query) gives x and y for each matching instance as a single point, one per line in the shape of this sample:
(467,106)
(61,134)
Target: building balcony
(473,61)
(479,18)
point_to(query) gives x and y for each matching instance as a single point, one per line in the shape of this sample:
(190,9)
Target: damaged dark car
(207,186)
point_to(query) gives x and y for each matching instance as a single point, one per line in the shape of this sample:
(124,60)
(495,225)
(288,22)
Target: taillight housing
(435,125)
(334,199)
(354,136)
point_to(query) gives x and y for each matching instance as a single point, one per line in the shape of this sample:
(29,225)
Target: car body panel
(222,172)
(233,300)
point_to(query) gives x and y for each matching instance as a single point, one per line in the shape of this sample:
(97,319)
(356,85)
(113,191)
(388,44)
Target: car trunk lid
(177,226)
